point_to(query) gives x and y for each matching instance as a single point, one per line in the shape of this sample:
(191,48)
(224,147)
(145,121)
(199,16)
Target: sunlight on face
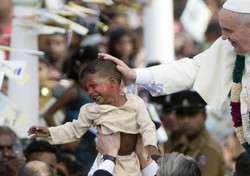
(235,31)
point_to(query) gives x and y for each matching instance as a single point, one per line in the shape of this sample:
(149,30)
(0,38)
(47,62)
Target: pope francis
(222,69)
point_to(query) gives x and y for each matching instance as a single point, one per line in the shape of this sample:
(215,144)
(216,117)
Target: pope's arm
(170,77)
(70,131)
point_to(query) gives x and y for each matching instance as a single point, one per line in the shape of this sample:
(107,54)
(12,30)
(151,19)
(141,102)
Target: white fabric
(240,6)
(209,73)
(106,165)
(151,169)
(109,166)
(245,98)
(94,168)
(144,76)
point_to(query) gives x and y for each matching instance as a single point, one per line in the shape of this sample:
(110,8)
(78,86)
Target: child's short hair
(103,67)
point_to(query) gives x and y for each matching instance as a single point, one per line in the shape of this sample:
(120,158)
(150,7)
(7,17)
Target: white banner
(11,115)
(1,79)
(13,69)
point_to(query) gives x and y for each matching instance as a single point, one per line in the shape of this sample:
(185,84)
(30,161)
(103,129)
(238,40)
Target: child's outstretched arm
(38,131)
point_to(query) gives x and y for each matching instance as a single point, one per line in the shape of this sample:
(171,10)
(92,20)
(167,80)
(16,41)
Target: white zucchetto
(240,6)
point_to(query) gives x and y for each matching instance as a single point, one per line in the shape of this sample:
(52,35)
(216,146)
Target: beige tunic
(131,118)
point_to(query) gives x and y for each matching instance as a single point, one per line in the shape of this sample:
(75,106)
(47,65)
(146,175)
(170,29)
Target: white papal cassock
(209,73)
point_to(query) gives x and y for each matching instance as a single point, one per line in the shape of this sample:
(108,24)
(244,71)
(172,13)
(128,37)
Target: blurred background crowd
(116,28)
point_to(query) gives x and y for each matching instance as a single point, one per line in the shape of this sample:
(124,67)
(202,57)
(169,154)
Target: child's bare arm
(38,131)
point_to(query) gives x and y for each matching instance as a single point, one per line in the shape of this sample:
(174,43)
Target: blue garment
(86,151)
(73,107)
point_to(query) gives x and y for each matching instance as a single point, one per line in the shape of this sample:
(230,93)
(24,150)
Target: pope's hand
(128,73)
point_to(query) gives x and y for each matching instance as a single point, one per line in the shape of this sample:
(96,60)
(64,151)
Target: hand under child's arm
(38,131)
(152,152)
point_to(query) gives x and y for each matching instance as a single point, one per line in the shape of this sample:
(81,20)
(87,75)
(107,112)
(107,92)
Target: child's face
(124,46)
(43,72)
(100,89)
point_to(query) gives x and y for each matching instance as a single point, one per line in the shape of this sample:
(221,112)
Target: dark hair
(83,55)
(115,36)
(103,68)
(39,146)
(242,165)
(73,166)
(28,170)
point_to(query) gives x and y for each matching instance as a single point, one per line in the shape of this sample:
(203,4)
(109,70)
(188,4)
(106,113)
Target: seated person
(114,111)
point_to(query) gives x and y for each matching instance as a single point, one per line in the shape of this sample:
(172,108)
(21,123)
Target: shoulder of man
(209,151)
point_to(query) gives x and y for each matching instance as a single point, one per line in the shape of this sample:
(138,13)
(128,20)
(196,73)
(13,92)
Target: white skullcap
(241,6)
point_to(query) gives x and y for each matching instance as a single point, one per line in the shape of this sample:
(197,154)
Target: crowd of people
(73,98)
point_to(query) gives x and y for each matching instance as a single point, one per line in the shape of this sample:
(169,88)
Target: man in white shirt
(209,73)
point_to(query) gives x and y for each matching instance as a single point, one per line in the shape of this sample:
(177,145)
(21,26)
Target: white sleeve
(108,166)
(175,76)
(144,76)
(151,169)
(170,77)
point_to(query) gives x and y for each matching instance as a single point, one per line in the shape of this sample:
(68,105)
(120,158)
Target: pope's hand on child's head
(127,73)
(38,131)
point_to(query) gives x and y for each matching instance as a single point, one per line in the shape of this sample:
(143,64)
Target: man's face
(6,143)
(191,123)
(43,73)
(235,31)
(124,47)
(170,122)
(56,46)
(5,13)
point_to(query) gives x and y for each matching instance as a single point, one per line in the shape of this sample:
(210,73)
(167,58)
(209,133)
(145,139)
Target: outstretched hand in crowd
(38,131)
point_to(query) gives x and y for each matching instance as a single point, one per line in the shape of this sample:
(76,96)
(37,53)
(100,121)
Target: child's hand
(38,131)
(153,152)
